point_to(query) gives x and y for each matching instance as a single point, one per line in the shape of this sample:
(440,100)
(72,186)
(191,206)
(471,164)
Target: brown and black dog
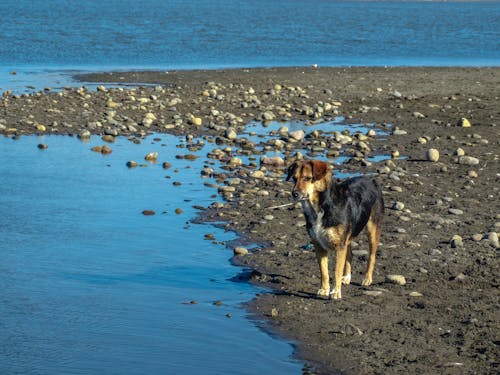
(336,212)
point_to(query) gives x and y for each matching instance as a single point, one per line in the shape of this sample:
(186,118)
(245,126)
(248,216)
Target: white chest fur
(317,231)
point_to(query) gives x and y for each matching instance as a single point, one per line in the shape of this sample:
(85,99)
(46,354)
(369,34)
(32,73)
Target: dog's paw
(323,292)
(336,294)
(366,281)
(346,279)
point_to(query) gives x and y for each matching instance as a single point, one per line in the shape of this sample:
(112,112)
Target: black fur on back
(350,203)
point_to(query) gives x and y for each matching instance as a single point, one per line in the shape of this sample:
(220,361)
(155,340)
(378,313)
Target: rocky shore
(433,307)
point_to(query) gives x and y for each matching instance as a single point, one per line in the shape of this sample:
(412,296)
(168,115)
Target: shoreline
(444,318)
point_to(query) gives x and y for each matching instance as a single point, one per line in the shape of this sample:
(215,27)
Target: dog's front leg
(339,270)
(322,257)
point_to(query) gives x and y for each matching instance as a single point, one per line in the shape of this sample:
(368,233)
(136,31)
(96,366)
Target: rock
(464,123)
(432,155)
(398,206)
(131,164)
(231,134)
(84,134)
(269,217)
(166,165)
(472,174)
(459,152)
(274,161)
(477,237)
(493,238)
(178,211)
(394,154)
(372,293)
(234,161)
(257,174)
(148,212)
(42,146)
(468,160)
(240,251)
(456,241)
(399,132)
(197,121)
(268,116)
(274,312)
(396,279)
(102,149)
(297,135)
(455,211)
(416,294)
(108,138)
(418,115)
(152,156)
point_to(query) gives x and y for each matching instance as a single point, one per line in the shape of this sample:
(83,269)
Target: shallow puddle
(91,285)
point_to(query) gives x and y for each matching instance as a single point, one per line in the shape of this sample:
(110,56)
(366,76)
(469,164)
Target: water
(44,38)
(90,285)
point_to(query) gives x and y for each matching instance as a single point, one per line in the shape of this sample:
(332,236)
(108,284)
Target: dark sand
(445,319)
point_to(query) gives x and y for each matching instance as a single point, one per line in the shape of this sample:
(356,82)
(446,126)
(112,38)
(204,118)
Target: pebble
(84,134)
(197,121)
(464,123)
(178,211)
(152,156)
(238,250)
(297,135)
(269,217)
(456,241)
(468,160)
(372,293)
(493,238)
(42,146)
(148,212)
(415,294)
(459,152)
(455,211)
(131,164)
(102,149)
(432,155)
(477,237)
(399,132)
(398,206)
(274,161)
(274,312)
(472,174)
(396,279)
(257,174)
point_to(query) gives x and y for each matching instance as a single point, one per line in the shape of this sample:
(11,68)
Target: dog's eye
(307,179)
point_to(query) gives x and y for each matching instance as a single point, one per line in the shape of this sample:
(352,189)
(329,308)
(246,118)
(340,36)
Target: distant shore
(443,217)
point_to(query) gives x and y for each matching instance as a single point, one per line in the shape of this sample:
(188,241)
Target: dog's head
(310,177)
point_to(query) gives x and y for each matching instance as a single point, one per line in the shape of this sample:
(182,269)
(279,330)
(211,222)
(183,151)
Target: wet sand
(442,218)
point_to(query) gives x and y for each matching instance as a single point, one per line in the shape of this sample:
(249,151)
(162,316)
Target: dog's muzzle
(298,196)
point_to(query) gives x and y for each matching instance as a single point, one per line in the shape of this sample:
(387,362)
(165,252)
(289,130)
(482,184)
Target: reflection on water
(90,285)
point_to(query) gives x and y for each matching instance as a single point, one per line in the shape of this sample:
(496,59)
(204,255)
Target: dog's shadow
(310,295)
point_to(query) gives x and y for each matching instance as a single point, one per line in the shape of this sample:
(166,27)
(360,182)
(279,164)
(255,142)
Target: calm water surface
(41,38)
(90,285)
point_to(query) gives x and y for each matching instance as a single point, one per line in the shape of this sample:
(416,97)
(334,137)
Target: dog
(336,212)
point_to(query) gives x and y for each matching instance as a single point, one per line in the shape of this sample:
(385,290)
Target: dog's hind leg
(346,279)
(373,229)
(322,257)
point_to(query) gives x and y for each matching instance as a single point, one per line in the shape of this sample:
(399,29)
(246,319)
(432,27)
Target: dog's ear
(319,169)
(291,170)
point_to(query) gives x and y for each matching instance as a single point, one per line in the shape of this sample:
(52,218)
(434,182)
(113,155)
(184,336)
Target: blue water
(92,286)
(89,284)
(47,37)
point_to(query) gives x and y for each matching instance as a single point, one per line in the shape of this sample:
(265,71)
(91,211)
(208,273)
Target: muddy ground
(442,217)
